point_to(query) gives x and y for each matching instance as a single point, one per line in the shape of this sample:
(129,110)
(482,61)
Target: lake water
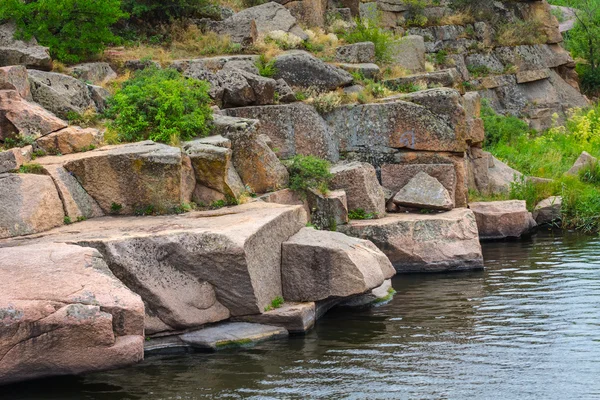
(526,328)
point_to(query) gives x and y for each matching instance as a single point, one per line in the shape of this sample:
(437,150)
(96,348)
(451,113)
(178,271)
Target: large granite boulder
(15,78)
(363,191)
(409,53)
(194,268)
(20,52)
(357,53)
(59,93)
(502,219)
(132,177)
(294,129)
(12,159)
(19,117)
(424,242)
(501,176)
(317,265)
(425,192)
(327,211)
(64,313)
(548,210)
(213,167)
(28,204)
(72,139)
(584,160)
(257,165)
(77,203)
(245,26)
(302,69)
(396,176)
(96,73)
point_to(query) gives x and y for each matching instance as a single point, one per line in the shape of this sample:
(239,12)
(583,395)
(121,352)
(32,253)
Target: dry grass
(394,71)
(521,32)
(461,18)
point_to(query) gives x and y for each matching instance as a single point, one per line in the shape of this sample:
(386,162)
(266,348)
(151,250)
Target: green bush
(369,31)
(266,68)
(160,105)
(309,172)
(165,10)
(359,213)
(73,29)
(500,128)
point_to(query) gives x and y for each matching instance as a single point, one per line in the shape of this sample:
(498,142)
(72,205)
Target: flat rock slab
(195,268)
(502,219)
(295,317)
(380,295)
(63,312)
(424,242)
(218,337)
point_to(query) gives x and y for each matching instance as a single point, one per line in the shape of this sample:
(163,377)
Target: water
(526,328)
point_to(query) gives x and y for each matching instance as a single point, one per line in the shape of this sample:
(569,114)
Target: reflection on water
(526,328)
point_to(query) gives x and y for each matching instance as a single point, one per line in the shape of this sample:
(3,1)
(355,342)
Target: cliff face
(510,52)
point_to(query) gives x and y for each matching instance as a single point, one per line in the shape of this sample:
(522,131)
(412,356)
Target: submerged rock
(317,265)
(294,317)
(64,313)
(424,242)
(502,219)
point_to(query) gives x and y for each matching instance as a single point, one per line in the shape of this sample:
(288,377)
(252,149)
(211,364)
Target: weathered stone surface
(61,94)
(133,176)
(19,52)
(409,53)
(300,68)
(368,70)
(28,204)
(531,76)
(308,12)
(285,92)
(424,242)
(397,124)
(71,140)
(502,219)
(397,176)
(194,268)
(94,72)
(363,191)
(501,175)
(378,296)
(447,78)
(585,159)
(15,78)
(19,117)
(217,337)
(294,129)
(99,96)
(205,196)
(327,211)
(241,88)
(138,65)
(245,26)
(257,165)
(317,265)
(286,196)
(213,167)
(424,191)
(485,61)
(548,210)
(64,313)
(12,159)
(294,317)
(357,53)
(77,203)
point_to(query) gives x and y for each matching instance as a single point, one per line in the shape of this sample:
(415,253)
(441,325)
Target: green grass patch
(359,213)
(277,302)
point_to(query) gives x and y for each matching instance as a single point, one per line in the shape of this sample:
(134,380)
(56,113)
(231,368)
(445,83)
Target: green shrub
(160,105)
(369,31)
(266,68)
(478,71)
(115,208)
(590,173)
(309,172)
(67,220)
(73,29)
(500,128)
(165,10)
(31,168)
(359,213)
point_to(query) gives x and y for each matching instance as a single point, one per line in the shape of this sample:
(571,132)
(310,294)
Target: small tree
(72,29)
(584,38)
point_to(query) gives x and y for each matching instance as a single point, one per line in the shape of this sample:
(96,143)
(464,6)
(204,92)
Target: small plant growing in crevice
(115,208)
(266,68)
(67,220)
(31,168)
(359,213)
(277,302)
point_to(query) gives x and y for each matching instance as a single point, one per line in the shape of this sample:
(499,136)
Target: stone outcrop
(246,26)
(28,204)
(20,52)
(397,176)
(195,268)
(59,93)
(12,159)
(96,73)
(327,211)
(425,192)
(357,53)
(19,117)
(363,191)
(128,178)
(15,78)
(424,242)
(64,313)
(302,69)
(317,265)
(72,139)
(548,210)
(409,53)
(502,219)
